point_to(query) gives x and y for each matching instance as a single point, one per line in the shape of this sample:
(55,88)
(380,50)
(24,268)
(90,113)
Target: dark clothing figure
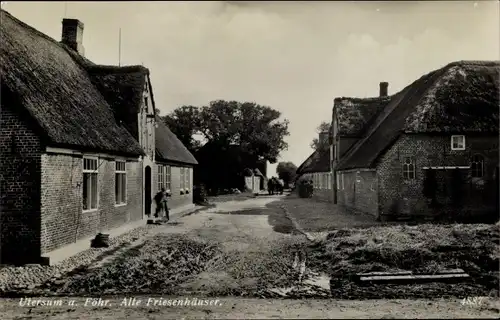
(161,203)
(270,186)
(280,185)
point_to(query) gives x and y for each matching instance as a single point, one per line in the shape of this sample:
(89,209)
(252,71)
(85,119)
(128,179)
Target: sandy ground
(244,228)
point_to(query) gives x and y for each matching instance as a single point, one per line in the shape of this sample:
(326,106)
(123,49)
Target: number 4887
(472,301)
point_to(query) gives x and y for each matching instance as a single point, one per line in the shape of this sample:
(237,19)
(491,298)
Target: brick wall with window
(397,187)
(64,190)
(179,180)
(20,166)
(401,191)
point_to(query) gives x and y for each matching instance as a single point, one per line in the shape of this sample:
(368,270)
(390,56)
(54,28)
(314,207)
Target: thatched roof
(54,86)
(169,147)
(318,161)
(462,97)
(355,114)
(122,87)
(257,172)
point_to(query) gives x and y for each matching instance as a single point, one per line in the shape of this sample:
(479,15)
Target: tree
(287,172)
(316,144)
(255,128)
(184,122)
(238,134)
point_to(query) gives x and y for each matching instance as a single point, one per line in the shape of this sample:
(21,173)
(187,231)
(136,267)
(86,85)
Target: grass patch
(317,216)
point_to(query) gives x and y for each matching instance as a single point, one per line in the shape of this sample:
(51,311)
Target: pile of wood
(408,277)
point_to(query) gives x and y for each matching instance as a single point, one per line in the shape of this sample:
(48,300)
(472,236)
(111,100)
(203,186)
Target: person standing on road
(161,203)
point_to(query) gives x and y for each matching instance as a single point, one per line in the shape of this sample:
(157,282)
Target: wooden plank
(451,271)
(416,278)
(384,273)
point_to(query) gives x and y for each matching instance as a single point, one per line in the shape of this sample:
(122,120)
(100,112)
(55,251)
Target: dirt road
(239,248)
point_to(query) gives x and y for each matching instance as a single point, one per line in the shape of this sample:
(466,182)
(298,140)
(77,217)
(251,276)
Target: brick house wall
(63,220)
(176,200)
(20,166)
(405,196)
(393,195)
(358,190)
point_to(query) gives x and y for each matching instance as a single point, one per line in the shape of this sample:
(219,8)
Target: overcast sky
(293,56)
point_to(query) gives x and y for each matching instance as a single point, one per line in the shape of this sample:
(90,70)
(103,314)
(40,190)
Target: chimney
(72,34)
(384,88)
(324,138)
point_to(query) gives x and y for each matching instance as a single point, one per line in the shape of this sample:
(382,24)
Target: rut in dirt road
(219,251)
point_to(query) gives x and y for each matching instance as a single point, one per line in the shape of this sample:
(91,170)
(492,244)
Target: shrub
(305,189)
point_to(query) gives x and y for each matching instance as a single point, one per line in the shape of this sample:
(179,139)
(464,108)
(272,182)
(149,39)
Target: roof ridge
(30,28)
(485,63)
(363,99)
(97,68)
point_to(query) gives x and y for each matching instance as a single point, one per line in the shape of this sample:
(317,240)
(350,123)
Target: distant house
(77,143)
(430,149)
(317,169)
(174,169)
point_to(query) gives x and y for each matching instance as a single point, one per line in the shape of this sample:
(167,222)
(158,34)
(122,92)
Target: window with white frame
(187,176)
(161,177)
(408,168)
(337,180)
(477,166)
(90,183)
(182,179)
(342,182)
(457,142)
(120,182)
(168,178)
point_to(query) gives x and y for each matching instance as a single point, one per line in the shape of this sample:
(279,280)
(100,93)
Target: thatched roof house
(60,91)
(429,149)
(462,97)
(78,143)
(169,148)
(318,161)
(257,173)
